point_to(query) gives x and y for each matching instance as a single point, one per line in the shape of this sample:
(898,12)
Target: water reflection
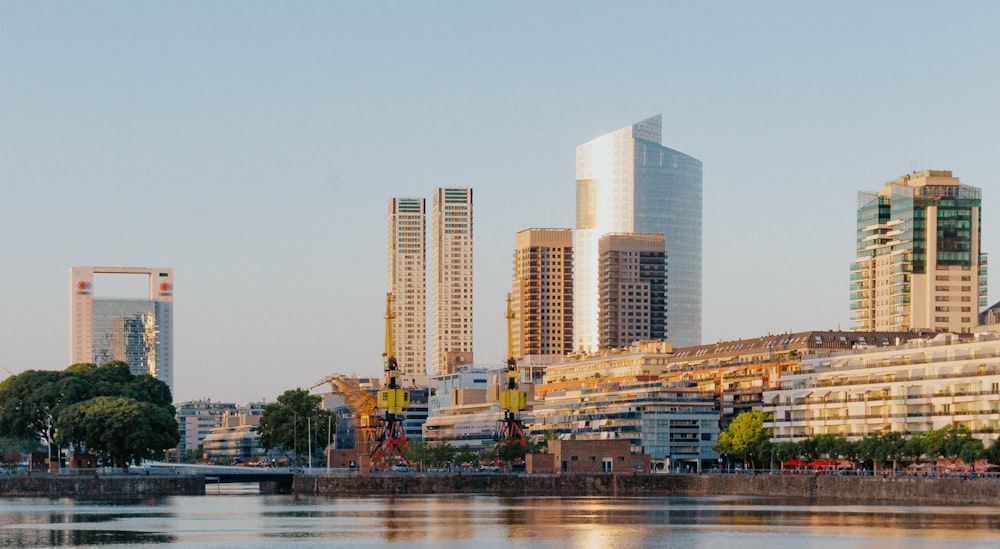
(485,522)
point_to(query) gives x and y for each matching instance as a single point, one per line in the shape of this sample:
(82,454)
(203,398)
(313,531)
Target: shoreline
(876,490)
(818,489)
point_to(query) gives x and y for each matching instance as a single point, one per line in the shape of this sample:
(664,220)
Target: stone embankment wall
(827,489)
(100,487)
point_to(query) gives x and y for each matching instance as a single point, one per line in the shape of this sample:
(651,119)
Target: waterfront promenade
(820,489)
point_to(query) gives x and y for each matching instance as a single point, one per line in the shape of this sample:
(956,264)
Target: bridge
(218,473)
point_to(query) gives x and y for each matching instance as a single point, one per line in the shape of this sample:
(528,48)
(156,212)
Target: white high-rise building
(408,282)
(451,284)
(137,331)
(627,182)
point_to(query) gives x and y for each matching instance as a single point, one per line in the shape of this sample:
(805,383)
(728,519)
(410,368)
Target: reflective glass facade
(627,182)
(919,264)
(138,332)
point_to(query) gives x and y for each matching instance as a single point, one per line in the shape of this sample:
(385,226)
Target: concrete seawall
(825,489)
(100,487)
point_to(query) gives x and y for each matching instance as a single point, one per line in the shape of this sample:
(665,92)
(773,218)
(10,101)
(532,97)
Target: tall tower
(137,331)
(627,182)
(408,282)
(543,293)
(632,291)
(919,260)
(451,284)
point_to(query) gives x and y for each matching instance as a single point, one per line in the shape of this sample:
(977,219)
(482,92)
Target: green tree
(465,454)
(511,451)
(786,450)
(120,430)
(293,422)
(32,404)
(418,453)
(29,402)
(744,435)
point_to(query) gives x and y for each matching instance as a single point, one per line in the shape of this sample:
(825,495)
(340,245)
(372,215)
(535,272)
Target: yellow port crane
(393,400)
(512,399)
(363,405)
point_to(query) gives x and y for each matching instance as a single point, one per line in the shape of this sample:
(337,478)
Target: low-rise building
(596,456)
(919,386)
(196,419)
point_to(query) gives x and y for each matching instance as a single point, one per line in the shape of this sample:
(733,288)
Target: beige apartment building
(919,261)
(918,386)
(407,261)
(451,280)
(542,295)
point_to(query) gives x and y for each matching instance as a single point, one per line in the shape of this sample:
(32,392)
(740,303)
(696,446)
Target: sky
(253,147)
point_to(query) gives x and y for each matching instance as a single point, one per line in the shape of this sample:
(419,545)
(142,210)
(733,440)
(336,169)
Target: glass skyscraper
(138,332)
(628,182)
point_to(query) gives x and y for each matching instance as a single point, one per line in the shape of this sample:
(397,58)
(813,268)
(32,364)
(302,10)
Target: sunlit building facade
(628,182)
(408,282)
(919,386)
(451,280)
(919,260)
(632,289)
(542,293)
(138,331)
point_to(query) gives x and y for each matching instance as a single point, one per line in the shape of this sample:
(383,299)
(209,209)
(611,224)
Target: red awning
(793,463)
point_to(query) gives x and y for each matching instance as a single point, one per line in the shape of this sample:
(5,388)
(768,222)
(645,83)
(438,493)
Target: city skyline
(254,148)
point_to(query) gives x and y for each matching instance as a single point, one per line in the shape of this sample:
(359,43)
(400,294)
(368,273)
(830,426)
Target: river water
(229,519)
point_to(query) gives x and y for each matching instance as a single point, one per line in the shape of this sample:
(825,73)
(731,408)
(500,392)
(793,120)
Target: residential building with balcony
(542,295)
(918,386)
(919,260)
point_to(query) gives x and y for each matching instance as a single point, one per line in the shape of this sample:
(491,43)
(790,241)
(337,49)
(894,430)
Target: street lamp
(295,436)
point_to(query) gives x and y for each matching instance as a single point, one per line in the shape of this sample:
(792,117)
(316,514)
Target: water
(231,519)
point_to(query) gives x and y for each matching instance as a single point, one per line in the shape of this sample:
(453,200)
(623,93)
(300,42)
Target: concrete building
(451,280)
(197,418)
(919,259)
(235,440)
(542,295)
(738,372)
(137,330)
(628,182)
(632,289)
(459,411)
(675,426)
(408,282)
(918,386)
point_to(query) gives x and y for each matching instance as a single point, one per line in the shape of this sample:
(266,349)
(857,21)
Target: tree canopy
(287,424)
(105,410)
(746,438)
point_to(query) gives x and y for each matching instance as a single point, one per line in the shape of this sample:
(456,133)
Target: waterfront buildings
(919,260)
(136,330)
(459,412)
(918,386)
(196,419)
(451,279)
(542,295)
(632,289)
(408,282)
(628,182)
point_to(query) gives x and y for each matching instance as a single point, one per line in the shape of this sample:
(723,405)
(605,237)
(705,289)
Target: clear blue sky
(253,148)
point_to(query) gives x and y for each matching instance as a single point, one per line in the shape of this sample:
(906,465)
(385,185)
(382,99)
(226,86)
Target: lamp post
(309,438)
(295,436)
